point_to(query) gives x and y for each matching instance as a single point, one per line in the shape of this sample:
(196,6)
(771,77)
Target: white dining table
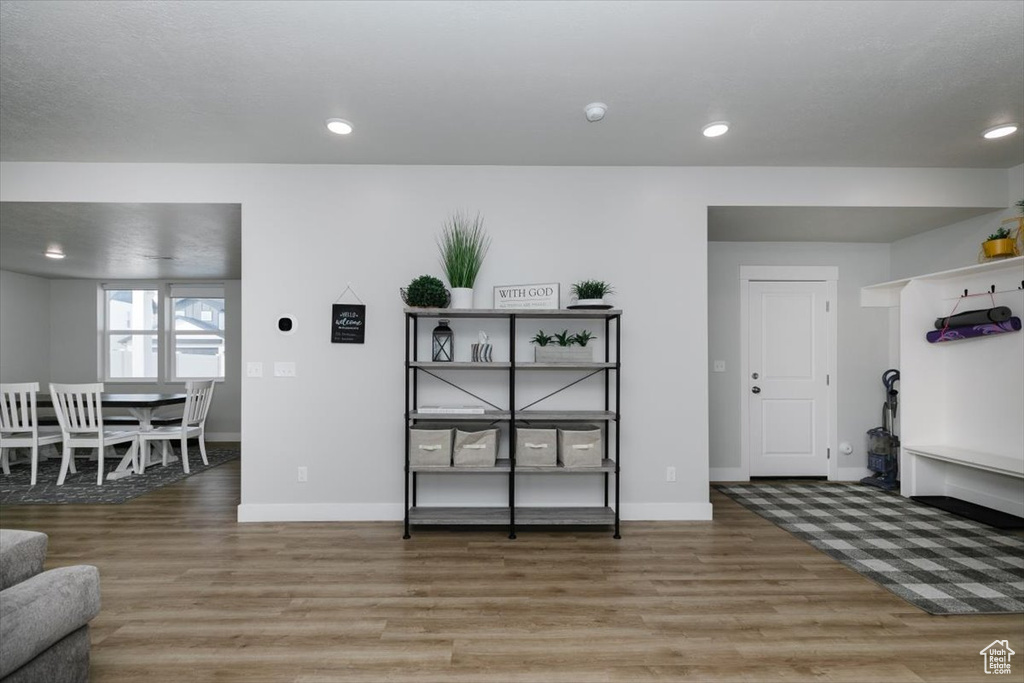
(141,407)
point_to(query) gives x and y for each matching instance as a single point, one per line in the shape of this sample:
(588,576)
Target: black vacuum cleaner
(883,444)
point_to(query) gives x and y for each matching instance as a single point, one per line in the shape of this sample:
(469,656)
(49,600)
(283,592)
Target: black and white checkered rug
(81,488)
(934,560)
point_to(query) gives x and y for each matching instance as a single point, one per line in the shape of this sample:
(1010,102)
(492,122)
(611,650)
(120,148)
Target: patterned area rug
(81,488)
(934,560)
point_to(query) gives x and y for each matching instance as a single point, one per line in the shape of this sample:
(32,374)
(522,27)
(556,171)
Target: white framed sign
(541,297)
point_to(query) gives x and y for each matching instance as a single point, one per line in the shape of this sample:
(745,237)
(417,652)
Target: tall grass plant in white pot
(463,244)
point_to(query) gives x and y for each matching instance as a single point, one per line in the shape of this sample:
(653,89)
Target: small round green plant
(426,291)
(591,289)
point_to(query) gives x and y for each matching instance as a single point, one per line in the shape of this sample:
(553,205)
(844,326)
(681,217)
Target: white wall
(863,333)
(956,245)
(75,328)
(307,230)
(24,328)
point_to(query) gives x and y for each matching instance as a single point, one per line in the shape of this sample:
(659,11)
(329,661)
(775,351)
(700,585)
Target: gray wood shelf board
(565,366)
(524,516)
(577,516)
(519,312)
(458,515)
(489,416)
(459,365)
(563,415)
(607,465)
(504,365)
(502,465)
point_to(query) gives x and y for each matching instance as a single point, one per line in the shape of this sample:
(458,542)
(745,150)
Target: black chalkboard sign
(348,324)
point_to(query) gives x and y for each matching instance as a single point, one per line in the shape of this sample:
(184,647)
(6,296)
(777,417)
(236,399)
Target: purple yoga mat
(968,331)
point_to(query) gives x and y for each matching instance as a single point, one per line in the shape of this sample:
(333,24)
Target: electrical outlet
(284,369)
(254,369)
(719,366)
(303,474)
(670,474)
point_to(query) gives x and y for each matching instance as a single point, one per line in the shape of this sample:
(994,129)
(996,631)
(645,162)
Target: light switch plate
(719,366)
(284,369)
(254,369)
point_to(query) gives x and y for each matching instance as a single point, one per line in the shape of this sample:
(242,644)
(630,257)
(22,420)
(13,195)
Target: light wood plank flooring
(190,595)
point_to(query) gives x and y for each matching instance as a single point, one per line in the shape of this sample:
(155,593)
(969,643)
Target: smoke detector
(595,111)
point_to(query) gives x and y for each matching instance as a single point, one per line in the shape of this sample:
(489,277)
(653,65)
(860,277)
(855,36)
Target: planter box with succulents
(563,354)
(563,347)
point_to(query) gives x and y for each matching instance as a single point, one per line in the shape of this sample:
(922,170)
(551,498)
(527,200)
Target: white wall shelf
(887,294)
(961,401)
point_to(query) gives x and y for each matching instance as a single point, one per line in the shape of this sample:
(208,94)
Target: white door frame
(828,275)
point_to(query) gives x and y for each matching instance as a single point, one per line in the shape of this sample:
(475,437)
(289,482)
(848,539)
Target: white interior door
(787,385)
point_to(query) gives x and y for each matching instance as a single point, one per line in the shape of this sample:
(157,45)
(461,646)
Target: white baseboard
(666,511)
(320,512)
(223,436)
(853,473)
(392,512)
(1011,506)
(728,474)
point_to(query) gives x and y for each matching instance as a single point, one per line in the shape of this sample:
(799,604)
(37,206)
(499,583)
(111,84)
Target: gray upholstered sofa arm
(21,555)
(41,610)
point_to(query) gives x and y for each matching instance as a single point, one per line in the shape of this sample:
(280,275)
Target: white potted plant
(563,347)
(591,294)
(463,243)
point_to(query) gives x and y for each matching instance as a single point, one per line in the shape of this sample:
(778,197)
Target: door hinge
(829,452)
(828,380)
(826,306)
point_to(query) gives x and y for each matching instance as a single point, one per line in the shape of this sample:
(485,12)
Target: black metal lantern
(443,343)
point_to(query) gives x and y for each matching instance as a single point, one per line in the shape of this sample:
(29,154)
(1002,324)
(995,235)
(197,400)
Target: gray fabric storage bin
(477,448)
(430,447)
(536,447)
(580,446)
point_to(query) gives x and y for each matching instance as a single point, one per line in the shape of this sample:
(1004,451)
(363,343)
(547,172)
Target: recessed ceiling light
(339,126)
(713,130)
(595,111)
(1000,131)
(54,253)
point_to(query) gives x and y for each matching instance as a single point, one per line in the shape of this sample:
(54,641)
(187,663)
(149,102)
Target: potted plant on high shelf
(425,291)
(567,348)
(1000,244)
(463,243)
(590,294)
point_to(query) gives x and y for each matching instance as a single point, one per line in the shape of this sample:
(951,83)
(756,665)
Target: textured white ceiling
(803,83)
(830,223)
(119,241)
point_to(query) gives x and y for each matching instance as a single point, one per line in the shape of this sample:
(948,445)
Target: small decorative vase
(590,302)
(999,248)
(462,297)
(482,353)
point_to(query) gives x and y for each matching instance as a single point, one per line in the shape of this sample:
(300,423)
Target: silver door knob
(756,390)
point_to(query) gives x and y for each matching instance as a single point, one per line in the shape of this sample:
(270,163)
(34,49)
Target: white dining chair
(79,409)
(19,425)
(199,396)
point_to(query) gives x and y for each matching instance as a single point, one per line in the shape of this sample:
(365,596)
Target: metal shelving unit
(511,514)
